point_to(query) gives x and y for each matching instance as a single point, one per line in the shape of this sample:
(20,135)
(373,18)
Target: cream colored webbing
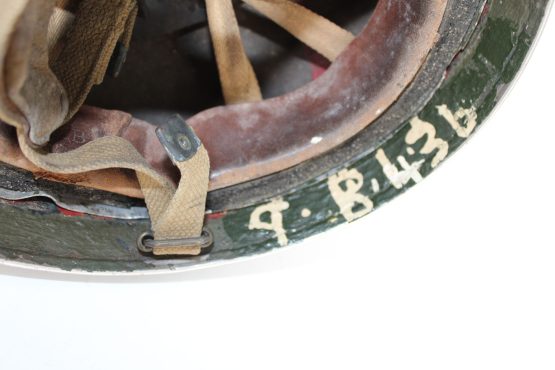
(312,29)
(60,23)
(237,77)
(175,214)
(183,217)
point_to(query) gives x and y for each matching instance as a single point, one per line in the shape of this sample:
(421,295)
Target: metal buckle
(147,244)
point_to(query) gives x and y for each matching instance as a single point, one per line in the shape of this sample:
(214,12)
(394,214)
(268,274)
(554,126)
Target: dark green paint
(490,61)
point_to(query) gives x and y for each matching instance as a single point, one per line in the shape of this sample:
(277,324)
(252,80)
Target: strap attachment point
(179,139)
(147,244)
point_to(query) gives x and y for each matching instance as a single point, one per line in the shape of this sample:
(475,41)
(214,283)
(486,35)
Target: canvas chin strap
(76,52)
(177,214)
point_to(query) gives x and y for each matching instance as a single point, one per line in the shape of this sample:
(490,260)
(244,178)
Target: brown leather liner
(252,140)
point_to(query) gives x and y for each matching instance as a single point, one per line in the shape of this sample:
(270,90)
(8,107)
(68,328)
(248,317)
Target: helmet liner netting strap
(237,77)
(238,80)
(315,31)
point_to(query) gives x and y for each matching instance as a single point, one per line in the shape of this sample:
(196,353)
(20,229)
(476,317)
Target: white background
(459,273)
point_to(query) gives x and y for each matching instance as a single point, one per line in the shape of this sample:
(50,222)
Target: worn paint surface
(473,85)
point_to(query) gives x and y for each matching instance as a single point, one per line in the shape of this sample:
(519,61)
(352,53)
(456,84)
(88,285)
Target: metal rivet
(184,142)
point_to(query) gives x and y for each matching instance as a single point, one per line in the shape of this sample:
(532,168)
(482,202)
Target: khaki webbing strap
(89,45)
(312,29)
(183,217)
(237,77)
(175,214)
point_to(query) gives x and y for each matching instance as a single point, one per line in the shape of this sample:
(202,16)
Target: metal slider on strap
(147,244)
(181,144)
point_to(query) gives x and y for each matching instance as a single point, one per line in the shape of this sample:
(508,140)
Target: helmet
(225,129)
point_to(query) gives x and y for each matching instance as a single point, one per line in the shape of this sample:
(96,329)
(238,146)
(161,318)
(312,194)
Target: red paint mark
(317,71)
(482,20)
(67,212)
(216,216)
(318,63)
